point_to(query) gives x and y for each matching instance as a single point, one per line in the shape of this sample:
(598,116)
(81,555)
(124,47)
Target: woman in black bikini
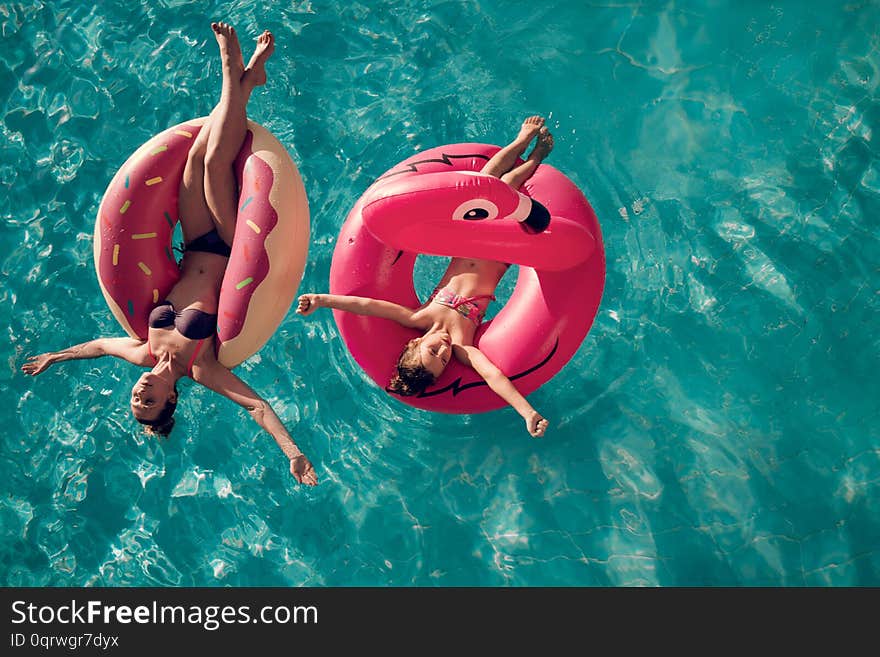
(182,327)
(455,310)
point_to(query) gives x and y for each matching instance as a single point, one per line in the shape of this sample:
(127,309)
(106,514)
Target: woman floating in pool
(455,310)
(181,340)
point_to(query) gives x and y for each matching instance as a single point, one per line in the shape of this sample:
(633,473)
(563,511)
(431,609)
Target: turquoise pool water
(718,426)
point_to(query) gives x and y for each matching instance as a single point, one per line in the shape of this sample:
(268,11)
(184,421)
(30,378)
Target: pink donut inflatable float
(437,203)
(133,254)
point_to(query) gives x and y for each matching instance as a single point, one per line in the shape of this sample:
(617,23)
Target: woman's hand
(308,303)
(536,424)
(214,376)
(303,470)
(37,364)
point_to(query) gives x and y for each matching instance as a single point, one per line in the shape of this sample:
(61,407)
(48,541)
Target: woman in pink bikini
(451,315)
(182,327)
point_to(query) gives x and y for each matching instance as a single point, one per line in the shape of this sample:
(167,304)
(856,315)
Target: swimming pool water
(718,426)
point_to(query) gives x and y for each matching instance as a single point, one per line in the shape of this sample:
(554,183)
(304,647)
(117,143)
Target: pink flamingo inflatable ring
(436,203)
(133,254)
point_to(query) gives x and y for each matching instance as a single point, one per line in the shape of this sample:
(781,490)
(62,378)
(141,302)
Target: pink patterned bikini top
(465,306)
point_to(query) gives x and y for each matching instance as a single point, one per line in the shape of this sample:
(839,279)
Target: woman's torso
(468,278)
(197,290)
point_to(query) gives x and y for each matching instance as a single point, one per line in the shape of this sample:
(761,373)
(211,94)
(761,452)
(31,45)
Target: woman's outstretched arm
(470,355)
(221,380)
(404,316)
(134,351)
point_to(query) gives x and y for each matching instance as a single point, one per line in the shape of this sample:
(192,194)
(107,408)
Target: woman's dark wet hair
(164,422)
(412,377)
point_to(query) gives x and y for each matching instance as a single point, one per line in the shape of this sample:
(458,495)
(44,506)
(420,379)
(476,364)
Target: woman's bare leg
(503,160)
(226,134)
(229,125)
(195,215)
(518,175)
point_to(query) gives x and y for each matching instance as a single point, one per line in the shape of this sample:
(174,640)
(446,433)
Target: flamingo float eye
(474,210)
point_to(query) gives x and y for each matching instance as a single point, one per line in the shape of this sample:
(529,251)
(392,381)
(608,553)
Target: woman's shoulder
(133,350)
(464,350)
(205,366)
(423,317)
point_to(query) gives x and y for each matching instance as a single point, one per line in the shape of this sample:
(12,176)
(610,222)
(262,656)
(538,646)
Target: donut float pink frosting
(134,257)
(437,203)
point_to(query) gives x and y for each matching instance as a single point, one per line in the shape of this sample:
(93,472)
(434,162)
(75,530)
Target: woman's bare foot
(543,146)
(500,164)
(529,129)
(255,73)
(230,50)
(522,172)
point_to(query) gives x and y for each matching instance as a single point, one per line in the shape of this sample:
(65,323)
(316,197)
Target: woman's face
(435,350)
(149,396)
